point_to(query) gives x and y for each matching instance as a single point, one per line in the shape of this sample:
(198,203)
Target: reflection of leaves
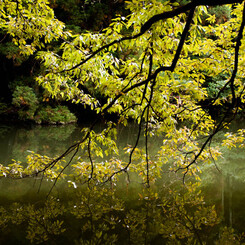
(99,215)
(229,237)
(44,222)
(4,218)
(40,224)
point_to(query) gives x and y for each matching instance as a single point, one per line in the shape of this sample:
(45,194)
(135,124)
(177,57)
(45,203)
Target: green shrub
(26,102)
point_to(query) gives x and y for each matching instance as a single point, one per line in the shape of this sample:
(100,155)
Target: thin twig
(56,179)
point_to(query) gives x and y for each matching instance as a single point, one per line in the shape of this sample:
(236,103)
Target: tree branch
(146,26)
(183,9)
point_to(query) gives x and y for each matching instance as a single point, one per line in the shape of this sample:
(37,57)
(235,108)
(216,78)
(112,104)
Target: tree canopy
(150,67)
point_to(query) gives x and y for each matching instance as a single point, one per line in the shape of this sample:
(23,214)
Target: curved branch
(101,49)
(183,9)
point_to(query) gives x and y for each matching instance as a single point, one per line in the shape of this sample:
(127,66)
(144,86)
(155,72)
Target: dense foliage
(153,67)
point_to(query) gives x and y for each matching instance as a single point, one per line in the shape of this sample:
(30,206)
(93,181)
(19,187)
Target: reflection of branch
(192,224)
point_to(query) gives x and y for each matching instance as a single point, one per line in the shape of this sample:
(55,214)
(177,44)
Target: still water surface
(225,189)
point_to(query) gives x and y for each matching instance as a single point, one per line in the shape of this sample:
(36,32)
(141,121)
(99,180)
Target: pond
(166,213)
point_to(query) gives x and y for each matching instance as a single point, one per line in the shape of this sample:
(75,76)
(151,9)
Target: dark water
(125,214)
